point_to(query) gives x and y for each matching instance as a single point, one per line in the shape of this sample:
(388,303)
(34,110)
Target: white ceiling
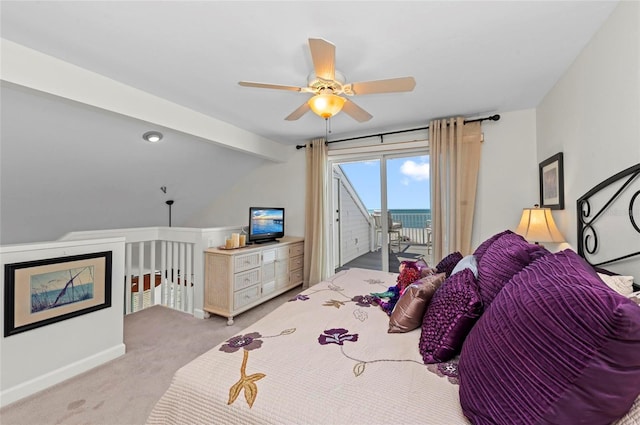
(75,165)
(470,58)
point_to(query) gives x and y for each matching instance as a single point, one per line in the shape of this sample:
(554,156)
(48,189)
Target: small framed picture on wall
(551,174)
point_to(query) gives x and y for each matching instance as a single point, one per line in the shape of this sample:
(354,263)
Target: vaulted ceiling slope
(67,167)
(71,153)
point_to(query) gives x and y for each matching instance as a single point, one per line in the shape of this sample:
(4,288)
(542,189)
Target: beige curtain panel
(455,161)
(315,238)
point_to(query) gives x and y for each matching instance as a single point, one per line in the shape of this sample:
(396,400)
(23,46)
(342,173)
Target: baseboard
(43,382)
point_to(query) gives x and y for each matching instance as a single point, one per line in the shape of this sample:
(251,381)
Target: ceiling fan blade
(303,109)
(356,112)
(323,55)
(391,85)
(270,86)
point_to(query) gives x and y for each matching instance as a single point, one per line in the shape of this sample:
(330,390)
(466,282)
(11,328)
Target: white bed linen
(377,379)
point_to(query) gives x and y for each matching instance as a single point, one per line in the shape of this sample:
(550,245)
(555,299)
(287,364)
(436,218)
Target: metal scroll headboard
(609,219)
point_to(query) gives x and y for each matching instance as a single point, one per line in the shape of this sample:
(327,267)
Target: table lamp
(537,225)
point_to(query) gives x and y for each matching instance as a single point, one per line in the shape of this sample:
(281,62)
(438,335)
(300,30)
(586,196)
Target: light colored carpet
(159,341)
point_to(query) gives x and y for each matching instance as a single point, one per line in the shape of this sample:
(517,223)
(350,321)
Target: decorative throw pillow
(447,264)
(568,344)
(503,259)
(480,250)
(419,264)
(621,284)
(453,310)
(467,262)
(409,310)
(406,277)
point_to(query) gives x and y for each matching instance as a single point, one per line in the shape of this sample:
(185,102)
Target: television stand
(240,279)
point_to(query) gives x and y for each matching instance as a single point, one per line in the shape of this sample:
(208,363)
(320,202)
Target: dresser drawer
(246,261)
(295,277)
(246,296)
(246,279)
(296,249)
(296,262)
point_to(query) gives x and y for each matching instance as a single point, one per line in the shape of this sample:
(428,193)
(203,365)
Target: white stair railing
(167,275)
(163,265)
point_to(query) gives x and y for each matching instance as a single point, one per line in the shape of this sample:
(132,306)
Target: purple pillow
(555,347)
(448,263)
(503,259)
(453,310)
(479,252)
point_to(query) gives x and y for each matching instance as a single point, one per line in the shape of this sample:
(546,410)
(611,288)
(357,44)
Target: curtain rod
(495,117)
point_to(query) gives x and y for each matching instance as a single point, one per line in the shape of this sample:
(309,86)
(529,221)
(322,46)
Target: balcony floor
(373,260)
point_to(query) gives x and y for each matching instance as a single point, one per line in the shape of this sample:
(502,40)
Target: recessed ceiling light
(152,136)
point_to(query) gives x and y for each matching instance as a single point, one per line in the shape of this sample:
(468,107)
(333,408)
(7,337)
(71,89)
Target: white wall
(355,226)
(270,185)
(36,359)
(507,183)
(508,178)
(593,112)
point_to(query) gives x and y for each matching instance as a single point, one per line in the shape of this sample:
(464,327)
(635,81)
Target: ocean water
(414,218)
(45,300)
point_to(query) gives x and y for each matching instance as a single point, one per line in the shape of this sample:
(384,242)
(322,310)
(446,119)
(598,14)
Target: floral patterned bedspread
(324,357)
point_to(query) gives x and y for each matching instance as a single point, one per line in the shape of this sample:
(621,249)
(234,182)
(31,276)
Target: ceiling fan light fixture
(326,105)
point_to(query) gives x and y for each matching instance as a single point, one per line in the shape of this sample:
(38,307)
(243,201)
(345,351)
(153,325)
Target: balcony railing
(416,226)
(413,227)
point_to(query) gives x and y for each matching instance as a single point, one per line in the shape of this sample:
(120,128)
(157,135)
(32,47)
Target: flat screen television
(265,224)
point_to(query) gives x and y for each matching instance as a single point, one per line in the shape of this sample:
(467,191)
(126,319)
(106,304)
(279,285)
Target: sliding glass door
(357,235)
(381,210)
(409,211)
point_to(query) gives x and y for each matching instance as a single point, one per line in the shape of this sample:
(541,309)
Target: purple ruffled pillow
(479,252)
(505,257)
(448,263)
(453,310)
(565,342)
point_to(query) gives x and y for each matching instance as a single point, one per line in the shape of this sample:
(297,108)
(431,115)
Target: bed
(326,355)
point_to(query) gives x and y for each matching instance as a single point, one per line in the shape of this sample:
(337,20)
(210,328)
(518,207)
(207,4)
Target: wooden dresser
(239,279)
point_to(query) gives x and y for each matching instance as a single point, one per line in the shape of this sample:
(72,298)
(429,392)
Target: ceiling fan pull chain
(326,129)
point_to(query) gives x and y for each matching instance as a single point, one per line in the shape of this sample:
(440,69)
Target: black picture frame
(41,292)
(551,175)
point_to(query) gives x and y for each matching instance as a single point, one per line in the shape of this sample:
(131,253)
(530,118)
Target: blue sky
(407,178)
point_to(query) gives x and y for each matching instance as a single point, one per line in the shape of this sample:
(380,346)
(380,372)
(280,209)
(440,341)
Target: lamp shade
(326,104)
(537,225)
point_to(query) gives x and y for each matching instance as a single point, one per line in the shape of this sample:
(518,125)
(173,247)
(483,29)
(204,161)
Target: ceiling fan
(326,84)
